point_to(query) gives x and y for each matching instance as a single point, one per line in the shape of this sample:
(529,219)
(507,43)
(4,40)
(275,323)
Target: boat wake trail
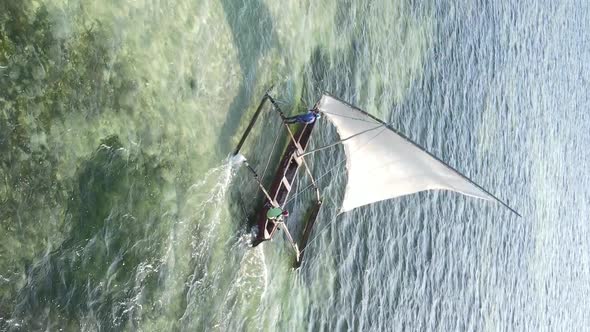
(208,263)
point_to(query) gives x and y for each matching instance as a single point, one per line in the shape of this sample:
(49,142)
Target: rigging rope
(338,164)
(317,180)
(272,150)
(332,168)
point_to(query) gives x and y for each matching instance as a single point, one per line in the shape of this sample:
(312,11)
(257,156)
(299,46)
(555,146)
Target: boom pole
(251,124)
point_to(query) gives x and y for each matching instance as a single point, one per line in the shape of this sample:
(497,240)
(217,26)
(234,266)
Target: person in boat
(306,118)
(276,214)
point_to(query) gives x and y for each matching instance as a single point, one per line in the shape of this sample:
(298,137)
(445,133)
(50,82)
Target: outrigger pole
(257,178)
(340,141)
(252,122)
(282,225)
(243,139)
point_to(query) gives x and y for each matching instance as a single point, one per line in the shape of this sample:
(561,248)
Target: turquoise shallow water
(121,211)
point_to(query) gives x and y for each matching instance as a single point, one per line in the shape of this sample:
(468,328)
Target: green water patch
(43,80)
(69,211)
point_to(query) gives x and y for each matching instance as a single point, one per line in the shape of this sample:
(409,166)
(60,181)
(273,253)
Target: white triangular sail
(383,164)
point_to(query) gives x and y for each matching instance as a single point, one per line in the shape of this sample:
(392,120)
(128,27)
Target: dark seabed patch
(107,261)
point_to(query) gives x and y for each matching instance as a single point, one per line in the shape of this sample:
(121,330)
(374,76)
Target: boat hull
(283,180)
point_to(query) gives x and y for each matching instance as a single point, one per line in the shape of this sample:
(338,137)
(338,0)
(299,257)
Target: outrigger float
(381,162)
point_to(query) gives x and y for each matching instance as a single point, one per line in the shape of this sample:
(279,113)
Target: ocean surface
(121,209)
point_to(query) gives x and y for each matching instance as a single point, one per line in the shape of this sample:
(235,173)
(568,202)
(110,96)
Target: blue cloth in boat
(307,118)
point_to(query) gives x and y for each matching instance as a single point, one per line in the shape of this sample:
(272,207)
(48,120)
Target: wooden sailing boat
(381,164)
